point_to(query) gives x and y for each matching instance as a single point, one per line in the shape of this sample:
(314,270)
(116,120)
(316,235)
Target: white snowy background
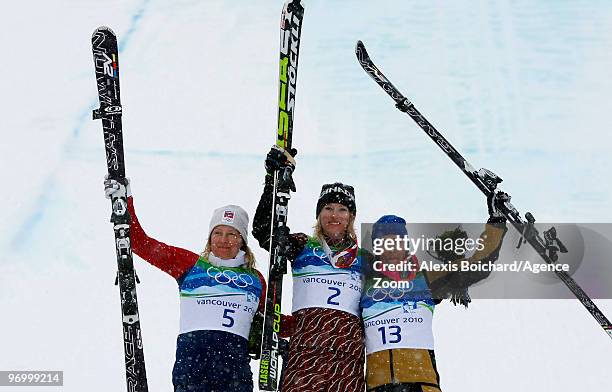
(520,87)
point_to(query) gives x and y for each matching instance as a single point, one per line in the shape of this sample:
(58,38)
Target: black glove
(495,200)
(278,158)
(255,335)
(282,239)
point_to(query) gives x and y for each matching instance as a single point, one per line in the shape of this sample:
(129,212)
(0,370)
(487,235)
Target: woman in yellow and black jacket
(398,319)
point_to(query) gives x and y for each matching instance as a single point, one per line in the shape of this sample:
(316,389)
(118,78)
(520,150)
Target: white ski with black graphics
(106,62)
(487,181)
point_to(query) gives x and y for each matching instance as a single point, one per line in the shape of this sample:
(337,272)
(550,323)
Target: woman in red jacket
(221,296)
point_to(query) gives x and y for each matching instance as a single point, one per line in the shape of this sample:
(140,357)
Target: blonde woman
(221,293)
(326,350)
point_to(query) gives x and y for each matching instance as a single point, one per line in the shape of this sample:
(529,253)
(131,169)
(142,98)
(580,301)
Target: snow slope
(518,87)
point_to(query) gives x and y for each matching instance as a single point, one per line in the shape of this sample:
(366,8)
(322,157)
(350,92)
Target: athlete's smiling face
(225,242)
(335,219)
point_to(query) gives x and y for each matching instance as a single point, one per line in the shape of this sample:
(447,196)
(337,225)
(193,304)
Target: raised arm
(262,222)
(170,259)
(276,159)
(173,260)
(454,285)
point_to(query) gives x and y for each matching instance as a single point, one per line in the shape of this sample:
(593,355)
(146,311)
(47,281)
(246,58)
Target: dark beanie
(389,224)
(337,193)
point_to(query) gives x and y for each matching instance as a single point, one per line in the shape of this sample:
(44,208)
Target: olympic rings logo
(226,277)
(380,294)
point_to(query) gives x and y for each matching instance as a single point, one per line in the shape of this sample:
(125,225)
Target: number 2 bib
(318,284)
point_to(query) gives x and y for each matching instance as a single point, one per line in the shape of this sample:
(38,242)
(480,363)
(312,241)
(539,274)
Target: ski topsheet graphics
(487,182)
(290,31)
(106,62)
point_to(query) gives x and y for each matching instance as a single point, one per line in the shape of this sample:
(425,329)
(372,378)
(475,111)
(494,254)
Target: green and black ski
(291,27)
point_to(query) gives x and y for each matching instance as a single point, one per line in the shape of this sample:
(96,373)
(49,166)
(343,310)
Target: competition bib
(319,284)
(406,326)
(219,298)
(398,317)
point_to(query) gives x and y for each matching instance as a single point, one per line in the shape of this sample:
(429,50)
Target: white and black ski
(290,32)
(487,181)
(106,62)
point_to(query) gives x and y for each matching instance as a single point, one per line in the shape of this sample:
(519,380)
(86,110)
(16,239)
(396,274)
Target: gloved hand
(494,201)
(298,242)
(113,188)
(278,158)
(255,335)
(282,239)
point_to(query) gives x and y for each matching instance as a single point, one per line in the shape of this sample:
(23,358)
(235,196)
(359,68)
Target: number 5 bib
(219,298)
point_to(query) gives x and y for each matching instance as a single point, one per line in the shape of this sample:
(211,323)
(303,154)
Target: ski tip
(359,46)
(294,4)
(103,29)
(360,51)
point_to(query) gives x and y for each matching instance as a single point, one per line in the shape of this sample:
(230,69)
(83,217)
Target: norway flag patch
(228,216)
